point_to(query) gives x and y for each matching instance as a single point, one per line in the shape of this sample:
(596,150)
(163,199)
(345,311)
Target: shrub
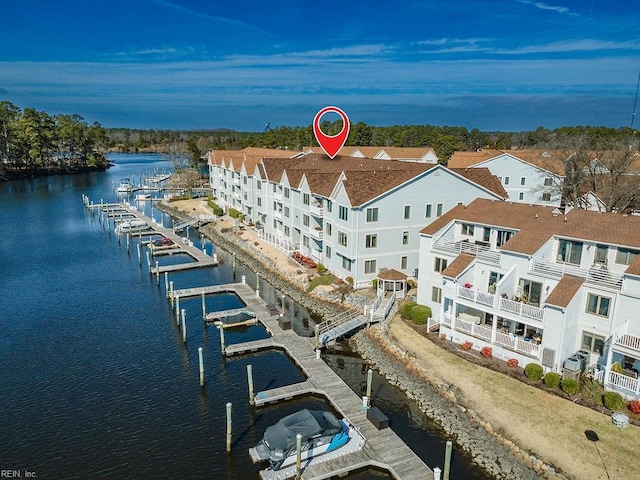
(420,314)
(349,280)
(374,284)
(634,406)
(321,268)
(613,401)
(411,283)
(217,210)
(570,386)
(486,352)
(616,367)
(552,380)
(512,362)
(533,372)
(406,309)
(466,345)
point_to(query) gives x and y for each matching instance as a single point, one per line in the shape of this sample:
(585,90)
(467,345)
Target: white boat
(133,225)
(125,186)
(141,197)
(321,432)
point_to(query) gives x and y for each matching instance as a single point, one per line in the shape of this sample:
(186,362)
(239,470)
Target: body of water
(95,381)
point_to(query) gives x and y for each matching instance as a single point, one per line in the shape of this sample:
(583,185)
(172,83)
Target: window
(305,199)
(371,241)
(327,229)
(494,278)
(343,213)
(523,180)
(467,229)
(327,251)
(521,196)
(407,212)
(305,241)
(342,239)
(372,214)
(569,252)
(369,266)
(329,205)
(486,234)
(259,201)
(428,211)
(625,256)
(592,342)
(259,184)
(305,220)
(346,264)
(405,238)
(286,193)
(506,180)
(436,294)
(548,182)
(403,263)
(546,197)
(598,305)
(503,237)
(244,180)
(286,212)
(439,264)
(530,292)
(286,231)
(601,254)
(244,195)
(439,210)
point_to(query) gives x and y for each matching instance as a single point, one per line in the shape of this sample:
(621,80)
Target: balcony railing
(629,341)
(510,341)
(481,252)
(316,210)
(596,275)
(629,385)
(506,305)
(316,232)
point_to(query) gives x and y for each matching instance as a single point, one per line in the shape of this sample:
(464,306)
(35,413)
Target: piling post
(201,363)
(157,272)
(222,347)
(148,259)
(317,332)
(204,245)
(244,279)
(369,380)
(436,473)
(228,426)
(128,241)
(298,456)
(257,281)
(447,460)
(215,259)
(171,291)
(250,382)
(166,284)
(233,264)
(139,255)
(184,326)
(204,308)
(283,307)
(178,311)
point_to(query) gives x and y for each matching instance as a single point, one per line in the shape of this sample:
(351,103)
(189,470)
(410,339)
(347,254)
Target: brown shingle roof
(483,177)
(535,224)
(551,160)
(459,264)
(392,274)
(565,290)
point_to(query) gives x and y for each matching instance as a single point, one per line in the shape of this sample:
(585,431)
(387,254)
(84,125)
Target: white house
(528,176)
(537,284)
(356,216)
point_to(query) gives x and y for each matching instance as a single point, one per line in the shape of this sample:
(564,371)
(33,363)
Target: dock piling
(244,279)
(204,308)
(436,473)
(298,456)
(166,283)
(178,311)
(201,364)
(369,380)
(139,254)
(184,326)
(221,328)
(250,382)
(148,259)
(228,426)
(317,332)
(447,460)
(157,272)
(170,294)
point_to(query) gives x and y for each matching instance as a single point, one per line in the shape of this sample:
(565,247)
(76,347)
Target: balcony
(316,232)
(482,252)
(277,214)
(596,275)
(316,209)
(504,305)
(631,342)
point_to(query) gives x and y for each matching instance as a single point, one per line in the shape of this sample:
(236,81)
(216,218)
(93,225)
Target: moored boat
(132,225)
(125,186)
(321,432)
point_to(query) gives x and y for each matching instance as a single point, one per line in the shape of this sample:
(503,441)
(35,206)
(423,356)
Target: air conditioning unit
(573,364)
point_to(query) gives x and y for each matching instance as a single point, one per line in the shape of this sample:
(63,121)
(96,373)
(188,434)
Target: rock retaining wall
(488,448)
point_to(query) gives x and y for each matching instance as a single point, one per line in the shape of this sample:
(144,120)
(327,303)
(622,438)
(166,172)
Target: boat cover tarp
(307,423)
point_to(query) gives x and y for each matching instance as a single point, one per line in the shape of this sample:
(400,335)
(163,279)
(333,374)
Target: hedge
(570,386)
(420,314)
(552,380)
(533,372)
(613,401)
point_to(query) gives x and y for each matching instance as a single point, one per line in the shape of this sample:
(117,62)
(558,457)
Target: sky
(507,65)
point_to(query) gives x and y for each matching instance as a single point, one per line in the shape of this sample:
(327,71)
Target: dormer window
(569,252)
(626,256)
(467,229)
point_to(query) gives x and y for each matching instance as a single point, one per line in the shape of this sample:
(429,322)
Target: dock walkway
(382,448)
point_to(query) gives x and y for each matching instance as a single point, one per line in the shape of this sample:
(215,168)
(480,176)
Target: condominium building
(357,216)
(537,284)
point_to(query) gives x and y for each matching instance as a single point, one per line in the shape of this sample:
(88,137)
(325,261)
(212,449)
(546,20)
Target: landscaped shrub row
(418,314)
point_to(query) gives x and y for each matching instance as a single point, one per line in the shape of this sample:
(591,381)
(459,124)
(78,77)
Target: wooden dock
(123,210)
(382,448)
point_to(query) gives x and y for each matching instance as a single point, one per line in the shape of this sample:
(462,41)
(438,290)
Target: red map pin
(331,144)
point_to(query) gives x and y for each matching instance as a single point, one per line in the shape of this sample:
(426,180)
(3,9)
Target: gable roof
(459,265)
(535,224)
(550,160)
(565,290)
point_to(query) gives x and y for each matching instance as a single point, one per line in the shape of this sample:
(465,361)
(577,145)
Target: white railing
(622,381)
(316,210)
(387,309)
(520,308)
(482,252)
(477,296)
(629,341)
(316,232)
(518,344)
(596,275)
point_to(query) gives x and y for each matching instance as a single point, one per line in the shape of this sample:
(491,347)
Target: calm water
(95,381)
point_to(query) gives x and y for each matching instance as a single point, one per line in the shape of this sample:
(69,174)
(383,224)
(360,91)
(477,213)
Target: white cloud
(544,6)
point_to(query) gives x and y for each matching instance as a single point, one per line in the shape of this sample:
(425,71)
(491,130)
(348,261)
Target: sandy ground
(545,425)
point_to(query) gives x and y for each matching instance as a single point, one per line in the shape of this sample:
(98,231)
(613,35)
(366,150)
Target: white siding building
(537,284)
(356,216)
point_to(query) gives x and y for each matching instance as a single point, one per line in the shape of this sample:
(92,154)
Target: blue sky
(183,64)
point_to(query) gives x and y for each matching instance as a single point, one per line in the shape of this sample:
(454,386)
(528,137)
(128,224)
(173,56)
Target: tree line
(33,142)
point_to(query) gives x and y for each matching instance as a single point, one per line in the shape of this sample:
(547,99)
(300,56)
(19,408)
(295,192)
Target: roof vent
(565,218)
